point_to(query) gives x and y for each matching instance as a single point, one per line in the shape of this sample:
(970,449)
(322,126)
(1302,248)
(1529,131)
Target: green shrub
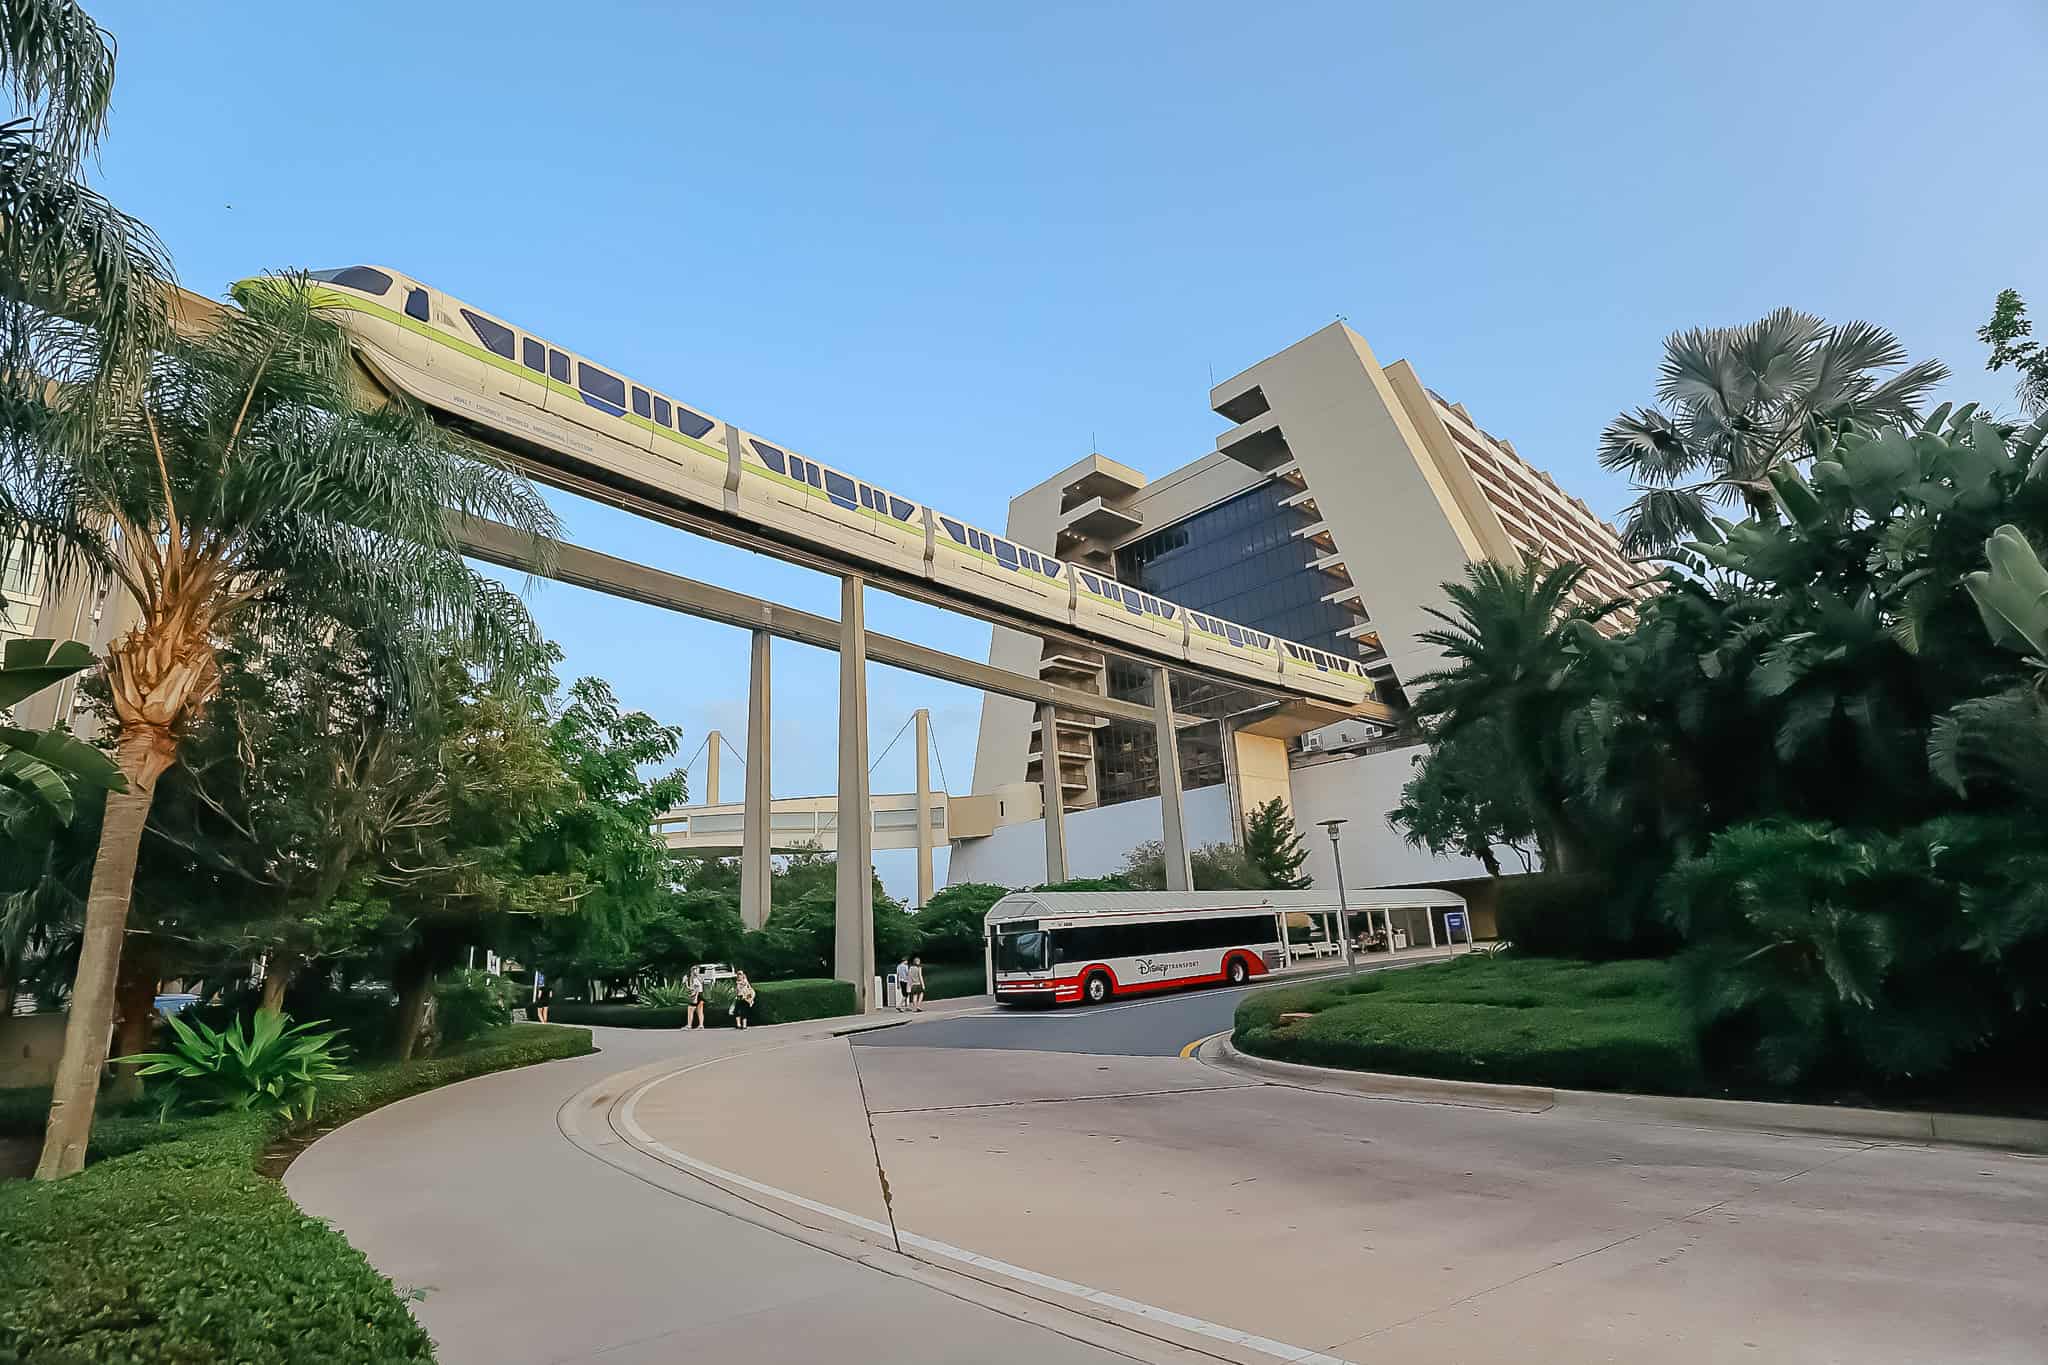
(470,1003)
(952,980)
(276,1068)
(786,1002)
(170,1248)
(1514,1020)
(775,1002)
(1582,917)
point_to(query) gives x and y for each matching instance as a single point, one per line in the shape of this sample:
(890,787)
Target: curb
(1881,1125)
(596,1120)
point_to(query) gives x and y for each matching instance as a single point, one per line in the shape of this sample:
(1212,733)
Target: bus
(1063,947)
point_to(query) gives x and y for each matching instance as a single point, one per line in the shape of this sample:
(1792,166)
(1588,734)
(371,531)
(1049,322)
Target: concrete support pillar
(853,943)
(754,829)
(924,806)
(1179,875)
(712,741)
(1055,795)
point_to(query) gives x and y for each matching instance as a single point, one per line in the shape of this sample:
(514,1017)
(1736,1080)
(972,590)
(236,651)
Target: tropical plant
(237,472)
(275,1068)
(2001,740)
(1736,403)
(665,995)
(1272,847)
(41,767)
(1825,954)
(1516,644)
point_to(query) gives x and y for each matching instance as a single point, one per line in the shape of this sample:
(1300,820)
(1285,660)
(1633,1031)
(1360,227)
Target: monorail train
(484,371)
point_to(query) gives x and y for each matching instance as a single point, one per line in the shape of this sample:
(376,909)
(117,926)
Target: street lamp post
(1343,904)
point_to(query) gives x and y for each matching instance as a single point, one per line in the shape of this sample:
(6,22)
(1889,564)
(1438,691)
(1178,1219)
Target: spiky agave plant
(274,1068)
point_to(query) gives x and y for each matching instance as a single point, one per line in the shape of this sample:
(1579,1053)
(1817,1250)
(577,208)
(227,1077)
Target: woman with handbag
(742,1001)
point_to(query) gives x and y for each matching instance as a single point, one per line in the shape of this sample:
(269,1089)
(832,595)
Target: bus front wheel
(1238,971)
(1095,989)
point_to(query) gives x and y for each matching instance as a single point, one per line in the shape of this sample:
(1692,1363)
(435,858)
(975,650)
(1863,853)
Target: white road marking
(1278,1350)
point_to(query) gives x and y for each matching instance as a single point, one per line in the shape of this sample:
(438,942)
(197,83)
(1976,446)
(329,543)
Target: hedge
(775,1002)
(951,980)
(1514,1020)
(171,1249)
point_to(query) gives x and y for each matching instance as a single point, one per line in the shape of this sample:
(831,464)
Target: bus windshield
(1030,951)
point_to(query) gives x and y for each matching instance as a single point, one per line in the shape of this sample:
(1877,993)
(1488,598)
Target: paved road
(1073,1147)
(1159,1027)
(525,1249)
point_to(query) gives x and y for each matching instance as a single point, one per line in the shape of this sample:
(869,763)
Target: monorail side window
(607,388)
(558,366)
(898,508)
(1233,634)
(954,529)
(661,410)
(643,405)
(534,355)
(839,488)
(770,456)
(867,497)
(416,304)
(1006,554)
(496,336)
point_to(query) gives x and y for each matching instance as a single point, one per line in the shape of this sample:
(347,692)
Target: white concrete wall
(1360,789)
(1097,840)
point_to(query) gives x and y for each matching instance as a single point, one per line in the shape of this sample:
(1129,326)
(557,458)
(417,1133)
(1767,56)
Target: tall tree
(1516,642)
(1272,847)
(2010,335)
(1463,801)
(1737,402)
(449,879)
(237,470)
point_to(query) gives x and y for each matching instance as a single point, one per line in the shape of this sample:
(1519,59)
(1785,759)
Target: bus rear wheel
(1095,989)
(1237,971)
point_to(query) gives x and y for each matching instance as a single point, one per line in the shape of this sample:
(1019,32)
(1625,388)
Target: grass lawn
(170,1248)
(1515,1020)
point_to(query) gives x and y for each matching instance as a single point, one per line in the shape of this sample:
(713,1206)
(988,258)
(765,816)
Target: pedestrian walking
(543,996)
(917,983)
(693,1013)
(742,1001)
(902,984)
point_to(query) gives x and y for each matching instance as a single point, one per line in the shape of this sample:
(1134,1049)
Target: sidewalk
(526,1250)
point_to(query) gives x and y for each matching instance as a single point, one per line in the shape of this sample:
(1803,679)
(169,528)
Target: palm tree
(1737,402)
(1517,645)
(86,287)
(235,473)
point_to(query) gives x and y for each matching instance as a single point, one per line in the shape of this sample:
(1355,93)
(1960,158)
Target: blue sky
(952,247)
